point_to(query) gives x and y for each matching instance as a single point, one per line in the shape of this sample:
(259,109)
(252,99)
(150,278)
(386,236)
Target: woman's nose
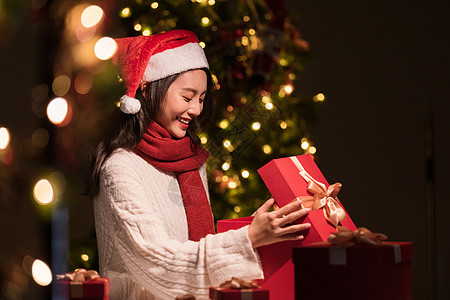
(195,107)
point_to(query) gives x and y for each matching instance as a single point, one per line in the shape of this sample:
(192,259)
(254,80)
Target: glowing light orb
(91,16)
(226,143)
(154,5)
(267,149)
(203,139)
(43,192)
(232,185)
(319,97)
(225,166)
(4,138)
(245,173)
(125,13)
(256,126)
(61,85)
(41,273)
(269,105)
(283,125)
(105,48)
(84,257)
(57,110)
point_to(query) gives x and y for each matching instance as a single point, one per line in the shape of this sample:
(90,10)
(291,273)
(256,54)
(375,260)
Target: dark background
(384,69)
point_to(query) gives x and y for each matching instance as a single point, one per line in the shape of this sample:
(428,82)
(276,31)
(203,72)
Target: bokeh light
(41,273)
(61,85)
(245,173)
(57,110)
(105,48)
(84,257)
(43,192)
(225,166)
(125,12)
(319,97)
(267,149)
(256,126)
(4,138)
(40,137)
(91,16)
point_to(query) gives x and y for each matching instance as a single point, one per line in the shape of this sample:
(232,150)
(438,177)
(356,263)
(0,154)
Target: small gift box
(238,289)
(82,284)
(351,269)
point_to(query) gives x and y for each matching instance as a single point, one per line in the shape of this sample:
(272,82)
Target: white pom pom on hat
(149,58)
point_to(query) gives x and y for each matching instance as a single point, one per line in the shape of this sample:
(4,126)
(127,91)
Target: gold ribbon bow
(361,236)
(323,197)
(80,275)
(239,283)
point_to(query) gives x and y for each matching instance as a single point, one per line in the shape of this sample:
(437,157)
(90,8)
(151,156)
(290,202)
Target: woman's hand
(275,226)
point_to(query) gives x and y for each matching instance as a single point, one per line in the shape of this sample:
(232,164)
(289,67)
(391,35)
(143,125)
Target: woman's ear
(142,87)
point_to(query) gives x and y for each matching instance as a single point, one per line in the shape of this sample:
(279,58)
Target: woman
(154,224)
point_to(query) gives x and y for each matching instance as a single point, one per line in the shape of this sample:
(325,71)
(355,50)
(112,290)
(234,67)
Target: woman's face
(183,102)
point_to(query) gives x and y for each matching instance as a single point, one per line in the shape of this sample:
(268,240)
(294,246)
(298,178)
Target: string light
(245,173)
(125,13)
(105,48)
(232,185)
(43,192)
(57,110)
(266,99)
(224,178)
(91,16)
(225,166)
(202,44)
(84,257)
(269,105)
(288,89)
(137,27)
(304,143)
(224,124)
(146,32)
(312,150)
(244,41)
(283,62)
(246,18)
(267,149)
(251,31)
(237,209)
(226,143)
(211,2)
(283,124)
(4,138)
(256,126)
(205,21)
(154,5)
(319,97)
(41,273)
(203,140)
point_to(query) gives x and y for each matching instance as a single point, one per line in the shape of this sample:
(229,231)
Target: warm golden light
(225,166)
(232,185)
(154,5)
(319,97)
(266,99)
(203,140)
(312,150)
(256,126)
(137,27)
(269,105)
(305,145)
(283,62)
(61,85)
(246,18)
(288,89)
(244,41)
(91,16)
(125,13)
(245,173)
(205,21)
(267,149)
(4,138)
(105,48)
(237,208)
(226,143)
(251,31)
(146,32)
(283,124)
(43,192)
(224,124)
(84,257)
(57,110)
(41,273)
(202,44)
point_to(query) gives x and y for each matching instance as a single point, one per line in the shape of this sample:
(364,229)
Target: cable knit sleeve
(154,258)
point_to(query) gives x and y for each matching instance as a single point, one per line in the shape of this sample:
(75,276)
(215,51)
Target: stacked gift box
(366,267)
(81,285)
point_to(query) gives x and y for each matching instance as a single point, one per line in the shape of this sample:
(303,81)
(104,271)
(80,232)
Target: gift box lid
(324,254)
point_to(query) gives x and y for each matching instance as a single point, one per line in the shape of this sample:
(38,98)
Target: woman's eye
(187,99)
(201,100)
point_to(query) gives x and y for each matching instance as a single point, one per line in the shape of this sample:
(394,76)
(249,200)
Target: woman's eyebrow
(192,90)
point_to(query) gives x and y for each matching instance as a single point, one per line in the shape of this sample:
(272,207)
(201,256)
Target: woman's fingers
(265,207)
(287,219)
(288,208)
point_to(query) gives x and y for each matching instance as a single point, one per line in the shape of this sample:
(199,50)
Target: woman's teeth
(183,121)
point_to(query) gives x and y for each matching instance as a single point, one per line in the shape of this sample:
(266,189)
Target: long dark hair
(126,130)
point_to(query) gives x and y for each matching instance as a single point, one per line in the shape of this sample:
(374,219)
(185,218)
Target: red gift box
(283,179)
(96,289)
(238,294)
(369,272)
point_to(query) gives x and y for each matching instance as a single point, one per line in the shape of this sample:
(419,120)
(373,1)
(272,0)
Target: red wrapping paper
(97,289)
(238,294)
(369,272)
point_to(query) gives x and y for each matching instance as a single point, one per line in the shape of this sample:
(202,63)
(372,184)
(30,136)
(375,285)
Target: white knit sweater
(143,241)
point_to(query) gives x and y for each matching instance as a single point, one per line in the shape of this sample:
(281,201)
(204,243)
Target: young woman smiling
(154,224)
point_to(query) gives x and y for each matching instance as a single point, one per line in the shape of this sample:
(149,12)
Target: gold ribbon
(239,283)
(361,236)
(325,198)
(79,275)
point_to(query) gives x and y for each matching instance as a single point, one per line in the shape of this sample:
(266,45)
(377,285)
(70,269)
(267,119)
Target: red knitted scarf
(158,148)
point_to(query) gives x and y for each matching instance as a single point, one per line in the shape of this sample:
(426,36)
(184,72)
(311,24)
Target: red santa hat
(149,58)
